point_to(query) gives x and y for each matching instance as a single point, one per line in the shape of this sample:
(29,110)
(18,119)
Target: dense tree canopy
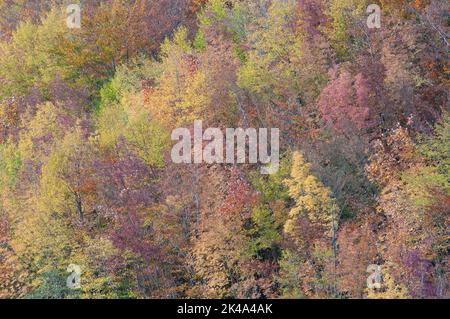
(86,177)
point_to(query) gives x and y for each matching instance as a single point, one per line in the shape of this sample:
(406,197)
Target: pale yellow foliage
(312,198)
(182,94)
(390,289)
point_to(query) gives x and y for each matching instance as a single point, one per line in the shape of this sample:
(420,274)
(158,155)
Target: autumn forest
(93,206)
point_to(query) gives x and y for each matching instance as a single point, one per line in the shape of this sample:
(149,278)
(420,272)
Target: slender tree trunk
(79,208)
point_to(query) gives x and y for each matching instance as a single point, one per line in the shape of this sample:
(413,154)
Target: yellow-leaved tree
(312,199)
(182,95)
(312,226)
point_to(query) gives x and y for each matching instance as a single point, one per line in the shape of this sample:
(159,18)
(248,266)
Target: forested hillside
(86,176)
